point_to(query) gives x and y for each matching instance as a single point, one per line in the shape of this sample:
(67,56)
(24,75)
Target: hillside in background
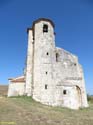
(3,90)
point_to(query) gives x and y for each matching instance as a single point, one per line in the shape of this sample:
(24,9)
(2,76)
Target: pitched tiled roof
(18,79)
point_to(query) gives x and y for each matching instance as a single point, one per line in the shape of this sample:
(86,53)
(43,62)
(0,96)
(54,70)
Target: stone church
(53,76)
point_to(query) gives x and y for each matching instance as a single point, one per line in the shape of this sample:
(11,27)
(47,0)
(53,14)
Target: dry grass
(3,90)
(25,111)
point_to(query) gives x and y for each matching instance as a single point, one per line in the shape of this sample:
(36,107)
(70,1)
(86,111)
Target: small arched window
(47,53)
(45,28)
(64,92)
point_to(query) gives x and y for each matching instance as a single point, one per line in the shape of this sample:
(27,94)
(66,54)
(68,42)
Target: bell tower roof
(38,20)
(43,19)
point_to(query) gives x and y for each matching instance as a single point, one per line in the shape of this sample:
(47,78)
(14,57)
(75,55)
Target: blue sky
(73,26)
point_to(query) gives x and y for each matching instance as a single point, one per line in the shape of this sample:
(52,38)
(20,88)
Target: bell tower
(44,57)
(40,59)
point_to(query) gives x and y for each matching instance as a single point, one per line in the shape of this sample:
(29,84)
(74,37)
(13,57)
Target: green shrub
(90,98)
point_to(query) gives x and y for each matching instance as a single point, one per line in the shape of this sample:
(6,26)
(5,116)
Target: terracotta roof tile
(18,79)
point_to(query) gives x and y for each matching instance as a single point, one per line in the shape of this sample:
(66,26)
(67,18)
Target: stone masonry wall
(54,76)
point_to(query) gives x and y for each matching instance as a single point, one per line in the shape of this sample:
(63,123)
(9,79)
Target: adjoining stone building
(53,75)
(16,86)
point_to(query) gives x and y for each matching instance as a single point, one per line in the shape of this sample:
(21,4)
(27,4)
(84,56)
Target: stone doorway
(79,96)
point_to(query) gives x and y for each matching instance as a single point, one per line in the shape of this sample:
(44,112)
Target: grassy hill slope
(25,111)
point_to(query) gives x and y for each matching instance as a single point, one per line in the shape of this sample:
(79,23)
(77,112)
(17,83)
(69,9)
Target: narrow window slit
(57,56)
(47,53)
(46,86)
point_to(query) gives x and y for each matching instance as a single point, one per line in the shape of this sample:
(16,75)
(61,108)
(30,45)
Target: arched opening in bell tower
(45,28)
